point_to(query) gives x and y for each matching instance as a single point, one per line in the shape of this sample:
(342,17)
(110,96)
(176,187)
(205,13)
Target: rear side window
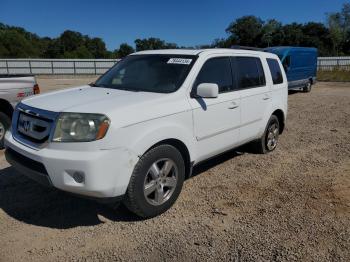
(216,71)
(250,72)
(275,70)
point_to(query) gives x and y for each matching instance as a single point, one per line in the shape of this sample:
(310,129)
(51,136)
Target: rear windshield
(148,73)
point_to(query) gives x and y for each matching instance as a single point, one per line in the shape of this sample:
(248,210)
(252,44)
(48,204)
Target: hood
(126,107)
(70,99)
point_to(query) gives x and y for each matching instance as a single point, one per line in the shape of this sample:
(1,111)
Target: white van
(135,134)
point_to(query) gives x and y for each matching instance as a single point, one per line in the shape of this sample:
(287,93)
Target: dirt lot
(292,204)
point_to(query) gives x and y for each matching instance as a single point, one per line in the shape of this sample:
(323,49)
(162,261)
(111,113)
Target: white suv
(135,134)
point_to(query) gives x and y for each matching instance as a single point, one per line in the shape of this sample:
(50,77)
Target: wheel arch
(281,119)
(6,108)
(181,146)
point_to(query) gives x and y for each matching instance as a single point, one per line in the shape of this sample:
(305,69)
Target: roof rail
(247,48)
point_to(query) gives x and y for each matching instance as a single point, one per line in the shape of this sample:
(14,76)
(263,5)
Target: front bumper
(102,173)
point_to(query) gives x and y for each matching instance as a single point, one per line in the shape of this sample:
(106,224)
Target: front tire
(5,123)
(307,87)
(268,142)
(156,182)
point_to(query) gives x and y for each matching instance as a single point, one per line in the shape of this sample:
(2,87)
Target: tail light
(36,89)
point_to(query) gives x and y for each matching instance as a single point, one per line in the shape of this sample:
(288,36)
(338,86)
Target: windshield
(148,73)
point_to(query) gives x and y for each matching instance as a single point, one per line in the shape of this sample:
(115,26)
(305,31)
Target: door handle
(266,97)
(233,105)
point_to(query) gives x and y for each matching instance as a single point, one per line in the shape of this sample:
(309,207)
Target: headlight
(76,127)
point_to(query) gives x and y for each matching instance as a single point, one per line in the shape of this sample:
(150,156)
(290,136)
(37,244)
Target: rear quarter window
(250,72)
(276,72)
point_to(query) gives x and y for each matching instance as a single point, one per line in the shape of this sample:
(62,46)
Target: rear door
(255,95)
(216,120)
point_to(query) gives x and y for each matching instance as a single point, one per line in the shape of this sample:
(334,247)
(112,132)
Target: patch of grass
(334,76)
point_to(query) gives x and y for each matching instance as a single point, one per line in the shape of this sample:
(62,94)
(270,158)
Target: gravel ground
(290,205)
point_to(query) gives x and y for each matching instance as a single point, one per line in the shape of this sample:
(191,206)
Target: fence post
(30,67)
(7,67)
(95,67)
(75,72)
(52,72)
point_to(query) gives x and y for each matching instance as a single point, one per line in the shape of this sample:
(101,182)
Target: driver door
(216,120)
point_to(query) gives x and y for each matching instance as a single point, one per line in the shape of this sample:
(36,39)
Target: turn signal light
(102,130)
(36,89)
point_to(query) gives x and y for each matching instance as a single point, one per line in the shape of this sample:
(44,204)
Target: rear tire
(156,182)
(5,123)
(268,142)
(307,87)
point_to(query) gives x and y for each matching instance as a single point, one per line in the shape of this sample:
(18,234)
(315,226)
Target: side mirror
(207,90)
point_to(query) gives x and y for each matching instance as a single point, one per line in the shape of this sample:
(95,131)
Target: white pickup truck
(13,88)
(135,134)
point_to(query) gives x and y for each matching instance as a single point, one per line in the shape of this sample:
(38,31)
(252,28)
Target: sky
(187,23)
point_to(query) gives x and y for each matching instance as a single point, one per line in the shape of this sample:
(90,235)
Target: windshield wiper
(128,89)
(95,85)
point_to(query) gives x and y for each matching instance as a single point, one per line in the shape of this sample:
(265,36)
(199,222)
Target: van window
(286,62)
(275,70)
(216,71)
(250,72)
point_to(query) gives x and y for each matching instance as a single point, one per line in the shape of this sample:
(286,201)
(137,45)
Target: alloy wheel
(2,131)
(272,136)
(160,181)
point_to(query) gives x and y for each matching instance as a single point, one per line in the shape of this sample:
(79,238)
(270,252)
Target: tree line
(331,38)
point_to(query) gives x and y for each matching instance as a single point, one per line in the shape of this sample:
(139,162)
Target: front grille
(33,126)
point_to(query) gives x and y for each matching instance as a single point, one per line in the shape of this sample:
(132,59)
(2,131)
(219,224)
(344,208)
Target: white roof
(170,52)
(197,51)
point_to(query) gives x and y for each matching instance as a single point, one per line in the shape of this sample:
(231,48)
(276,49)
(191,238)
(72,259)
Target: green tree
(81,52)
(124,50)
(247,30)
(71,40)
(96,47)
(317,35)
(293,34)
(335,30)
(153,44)
(272,33)
(339,28)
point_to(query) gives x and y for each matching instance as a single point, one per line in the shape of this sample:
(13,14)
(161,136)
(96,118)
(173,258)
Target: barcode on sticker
(181,61)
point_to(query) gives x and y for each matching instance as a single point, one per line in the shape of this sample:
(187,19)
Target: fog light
(78,177)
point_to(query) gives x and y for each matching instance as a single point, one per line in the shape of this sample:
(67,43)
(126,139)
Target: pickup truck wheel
(5,123)
(307,87)
(156,181)
(268,142)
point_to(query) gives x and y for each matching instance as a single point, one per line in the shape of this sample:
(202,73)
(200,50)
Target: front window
(217,71)
(148,73)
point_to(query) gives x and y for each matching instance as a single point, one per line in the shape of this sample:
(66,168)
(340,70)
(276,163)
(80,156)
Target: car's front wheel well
(280,115)
(179,145)
(6,108)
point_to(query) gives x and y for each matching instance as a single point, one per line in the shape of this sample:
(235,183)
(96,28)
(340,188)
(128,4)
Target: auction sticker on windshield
(181,61)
